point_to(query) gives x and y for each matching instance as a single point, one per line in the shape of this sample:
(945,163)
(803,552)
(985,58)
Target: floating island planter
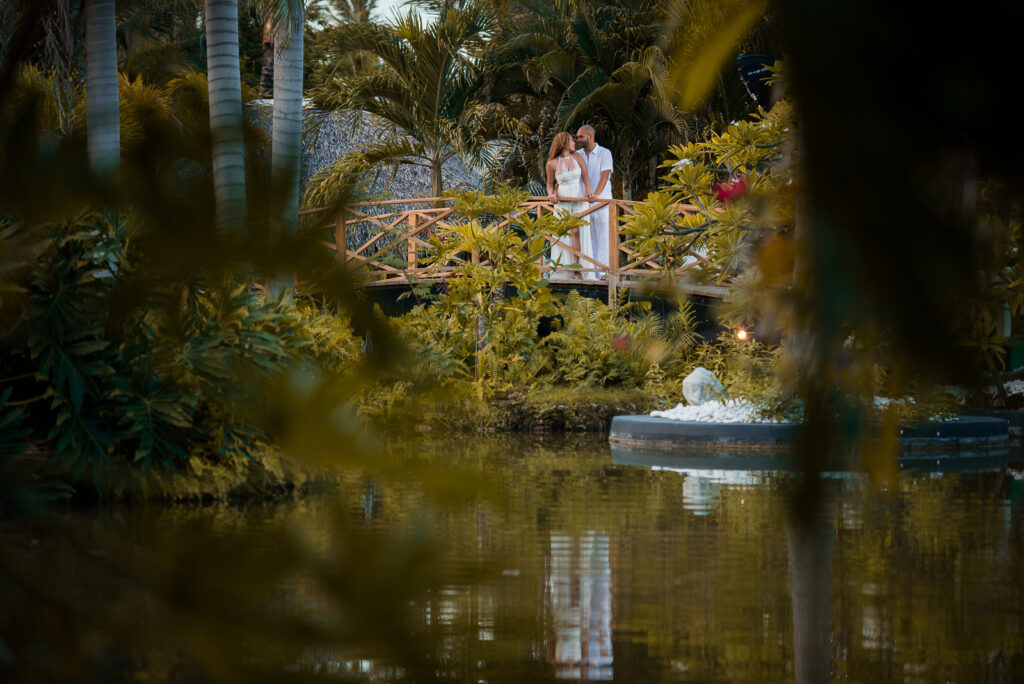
(736,426)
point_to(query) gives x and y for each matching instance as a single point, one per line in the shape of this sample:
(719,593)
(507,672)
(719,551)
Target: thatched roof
(335,138)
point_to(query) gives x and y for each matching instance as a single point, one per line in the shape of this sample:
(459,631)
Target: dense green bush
(590,346)
(118,376)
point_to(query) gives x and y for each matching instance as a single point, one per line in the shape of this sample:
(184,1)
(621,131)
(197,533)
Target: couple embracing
(583,176)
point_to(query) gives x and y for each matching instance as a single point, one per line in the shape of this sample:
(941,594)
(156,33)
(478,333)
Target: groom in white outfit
(599,167)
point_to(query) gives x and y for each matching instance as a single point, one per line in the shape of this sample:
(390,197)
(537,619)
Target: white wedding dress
(569,178)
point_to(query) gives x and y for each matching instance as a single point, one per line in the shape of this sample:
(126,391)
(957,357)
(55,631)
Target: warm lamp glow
(741,335)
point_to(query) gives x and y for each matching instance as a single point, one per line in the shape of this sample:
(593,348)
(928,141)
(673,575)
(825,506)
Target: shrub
(120,373)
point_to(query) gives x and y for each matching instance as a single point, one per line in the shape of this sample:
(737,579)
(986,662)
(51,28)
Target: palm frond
(578,95)
(351,175)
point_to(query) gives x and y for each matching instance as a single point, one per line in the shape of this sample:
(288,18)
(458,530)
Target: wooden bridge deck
(568,282)
(395,246)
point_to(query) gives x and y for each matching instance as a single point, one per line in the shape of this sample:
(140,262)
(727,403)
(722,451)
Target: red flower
(727,191)
(620,343)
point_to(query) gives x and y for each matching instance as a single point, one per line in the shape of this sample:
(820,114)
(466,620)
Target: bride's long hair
(561,142)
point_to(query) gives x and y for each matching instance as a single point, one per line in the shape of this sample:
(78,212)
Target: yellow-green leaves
(694,77)
(694,179)
(654,233)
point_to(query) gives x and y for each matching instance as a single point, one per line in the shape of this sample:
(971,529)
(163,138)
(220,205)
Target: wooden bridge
(392,253)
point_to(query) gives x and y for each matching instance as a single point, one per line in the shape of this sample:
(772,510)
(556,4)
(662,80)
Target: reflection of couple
(584,176)
(578,602)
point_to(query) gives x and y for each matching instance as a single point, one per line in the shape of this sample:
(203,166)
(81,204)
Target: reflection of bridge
(396,233)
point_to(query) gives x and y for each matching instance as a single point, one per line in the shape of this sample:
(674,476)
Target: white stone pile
(714,411)
(1012,388)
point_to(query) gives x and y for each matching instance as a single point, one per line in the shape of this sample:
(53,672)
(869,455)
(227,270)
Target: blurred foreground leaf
(695,77)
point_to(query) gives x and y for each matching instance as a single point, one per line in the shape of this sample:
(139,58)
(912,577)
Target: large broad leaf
(695,79)
(159,419)
(78,437)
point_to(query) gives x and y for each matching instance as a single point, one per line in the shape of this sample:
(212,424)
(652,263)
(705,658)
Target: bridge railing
(387,240)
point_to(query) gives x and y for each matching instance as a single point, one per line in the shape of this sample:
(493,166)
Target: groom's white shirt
(598,161)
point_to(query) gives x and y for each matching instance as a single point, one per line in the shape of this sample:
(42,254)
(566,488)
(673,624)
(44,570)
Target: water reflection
(898,518)
(701,487)
(578,601)
(811,545)
(370,501)
(577,567)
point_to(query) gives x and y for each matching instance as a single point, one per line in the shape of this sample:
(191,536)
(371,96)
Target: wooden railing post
(540,259)
(413,259)
(612,277)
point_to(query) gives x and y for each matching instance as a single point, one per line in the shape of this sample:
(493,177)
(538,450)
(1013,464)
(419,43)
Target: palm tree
(103,136)
(226,111)
(286,132)
(321,61)
(353,11)
(424,89)
(267,67)
(152,34)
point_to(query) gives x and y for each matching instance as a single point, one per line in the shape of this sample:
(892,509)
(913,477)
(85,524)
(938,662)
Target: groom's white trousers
(594,241)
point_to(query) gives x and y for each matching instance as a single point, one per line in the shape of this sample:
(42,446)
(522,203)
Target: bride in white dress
(567,171)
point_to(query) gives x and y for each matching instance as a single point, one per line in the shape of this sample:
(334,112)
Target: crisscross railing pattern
(392,241)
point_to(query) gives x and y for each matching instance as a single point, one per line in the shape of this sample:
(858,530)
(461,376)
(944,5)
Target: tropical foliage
(424,87)
(532,347)
(513,74)
(556,66)
(1000,301)
(134,342)
(153,384)
(728,182)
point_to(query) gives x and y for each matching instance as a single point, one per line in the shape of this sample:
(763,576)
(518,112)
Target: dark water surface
(519,559)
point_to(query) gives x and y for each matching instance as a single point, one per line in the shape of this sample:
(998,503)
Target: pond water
(489,559)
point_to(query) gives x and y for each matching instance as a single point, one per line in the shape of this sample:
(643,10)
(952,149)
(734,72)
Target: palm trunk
(628,176)
(267,70)
(103,132)
(226,112)
(286,137)
(617,184)
(435,177)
